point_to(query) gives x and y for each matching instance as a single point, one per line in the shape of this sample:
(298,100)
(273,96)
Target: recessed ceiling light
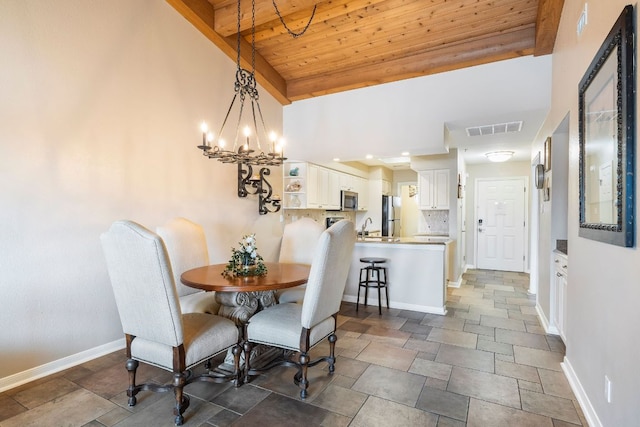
(336,159)
(404,153)
(369,156)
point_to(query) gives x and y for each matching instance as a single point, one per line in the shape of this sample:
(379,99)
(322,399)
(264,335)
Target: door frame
(525,240)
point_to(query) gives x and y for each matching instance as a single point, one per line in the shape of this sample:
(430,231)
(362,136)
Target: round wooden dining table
(240,297)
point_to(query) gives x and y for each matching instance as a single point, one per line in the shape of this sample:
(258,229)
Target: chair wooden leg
(237,350)
(332,351)
(247,365)
(132,366)
(304,382)
(182,401)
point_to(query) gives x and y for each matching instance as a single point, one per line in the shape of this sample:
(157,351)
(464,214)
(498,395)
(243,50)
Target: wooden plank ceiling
(356,43)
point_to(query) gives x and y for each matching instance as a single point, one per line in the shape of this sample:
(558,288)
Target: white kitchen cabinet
(323,188)
(347,182)
(386,188)
(559,308)
(362,188)
(333,196)
(309,186)
(433,187)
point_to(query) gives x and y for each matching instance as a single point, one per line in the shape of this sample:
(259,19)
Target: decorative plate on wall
(539,176)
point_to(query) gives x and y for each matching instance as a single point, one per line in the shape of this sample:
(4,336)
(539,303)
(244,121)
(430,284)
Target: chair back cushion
(299,241)
(186,244)
(142,283)
(328,275)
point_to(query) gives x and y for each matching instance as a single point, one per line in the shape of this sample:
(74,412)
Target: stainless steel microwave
(348,200)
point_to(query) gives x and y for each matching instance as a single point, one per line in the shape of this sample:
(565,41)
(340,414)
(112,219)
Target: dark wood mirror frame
(617,90)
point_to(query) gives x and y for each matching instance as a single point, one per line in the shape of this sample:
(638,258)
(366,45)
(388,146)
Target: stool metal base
(374,277)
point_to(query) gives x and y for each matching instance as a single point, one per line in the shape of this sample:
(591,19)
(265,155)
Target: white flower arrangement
(245,261)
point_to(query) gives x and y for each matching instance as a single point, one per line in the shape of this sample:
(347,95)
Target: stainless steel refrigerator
(391,216)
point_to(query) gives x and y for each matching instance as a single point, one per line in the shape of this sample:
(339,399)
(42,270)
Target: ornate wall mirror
(607,138)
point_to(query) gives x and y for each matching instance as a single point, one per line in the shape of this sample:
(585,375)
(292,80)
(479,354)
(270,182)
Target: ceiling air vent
(494,129)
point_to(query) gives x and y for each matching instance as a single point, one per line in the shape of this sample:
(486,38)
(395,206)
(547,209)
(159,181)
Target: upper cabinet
(324,188)
(386,188)
(309,186)
(362,188)
(433,187)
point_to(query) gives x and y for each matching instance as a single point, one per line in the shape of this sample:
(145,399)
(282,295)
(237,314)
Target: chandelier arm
(255,123)
(227,115)
(264,127)
(293,33)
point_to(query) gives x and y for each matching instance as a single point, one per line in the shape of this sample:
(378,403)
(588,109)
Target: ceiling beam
(201,14)
(468,53)
(547,22)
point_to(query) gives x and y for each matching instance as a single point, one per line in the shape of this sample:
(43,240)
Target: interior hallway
(487,362)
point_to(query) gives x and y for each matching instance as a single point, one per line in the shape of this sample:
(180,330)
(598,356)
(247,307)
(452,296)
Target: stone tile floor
(487,362)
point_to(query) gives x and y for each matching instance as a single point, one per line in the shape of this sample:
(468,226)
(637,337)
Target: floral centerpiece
(245,260)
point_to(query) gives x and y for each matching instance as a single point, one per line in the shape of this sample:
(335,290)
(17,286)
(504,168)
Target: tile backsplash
(291,215)
(436,222)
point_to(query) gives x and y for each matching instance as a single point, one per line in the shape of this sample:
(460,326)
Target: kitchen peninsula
(416,271)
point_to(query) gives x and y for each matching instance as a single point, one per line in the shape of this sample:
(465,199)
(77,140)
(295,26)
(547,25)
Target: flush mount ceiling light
(499,156)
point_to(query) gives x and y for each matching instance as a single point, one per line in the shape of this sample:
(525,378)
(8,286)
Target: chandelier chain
(293,33)
(253,36)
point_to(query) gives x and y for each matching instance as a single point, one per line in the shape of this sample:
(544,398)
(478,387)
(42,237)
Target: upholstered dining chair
(299,327)
(186,244)
(156,332)
(298,245)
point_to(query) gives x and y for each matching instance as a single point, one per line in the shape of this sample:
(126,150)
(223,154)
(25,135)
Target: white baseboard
(470,267)
(584,402)
(24,377)
(400,305)
(548,328)
(456,284)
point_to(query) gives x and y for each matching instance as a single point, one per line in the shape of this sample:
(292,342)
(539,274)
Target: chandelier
(242,151)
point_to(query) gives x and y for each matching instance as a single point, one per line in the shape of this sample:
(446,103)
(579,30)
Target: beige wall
(99,120)
(603,290)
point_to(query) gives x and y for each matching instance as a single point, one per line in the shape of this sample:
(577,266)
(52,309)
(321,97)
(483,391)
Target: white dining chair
(156,331)
(299,241)
(299,327)
(186,244)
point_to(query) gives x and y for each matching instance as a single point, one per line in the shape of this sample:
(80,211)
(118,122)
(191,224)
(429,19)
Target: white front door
(500,224)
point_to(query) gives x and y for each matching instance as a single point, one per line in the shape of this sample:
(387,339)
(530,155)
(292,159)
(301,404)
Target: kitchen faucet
(364,225)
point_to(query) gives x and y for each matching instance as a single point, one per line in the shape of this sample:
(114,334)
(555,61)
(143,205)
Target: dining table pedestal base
(239,307)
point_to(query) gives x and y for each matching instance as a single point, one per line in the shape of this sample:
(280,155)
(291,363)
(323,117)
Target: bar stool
(375,276)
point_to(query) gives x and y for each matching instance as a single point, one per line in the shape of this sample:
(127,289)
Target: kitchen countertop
(417,240)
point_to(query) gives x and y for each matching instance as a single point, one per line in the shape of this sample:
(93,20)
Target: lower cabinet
(559,306)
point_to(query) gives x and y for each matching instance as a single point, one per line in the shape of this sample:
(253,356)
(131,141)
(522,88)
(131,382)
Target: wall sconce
(258,184)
